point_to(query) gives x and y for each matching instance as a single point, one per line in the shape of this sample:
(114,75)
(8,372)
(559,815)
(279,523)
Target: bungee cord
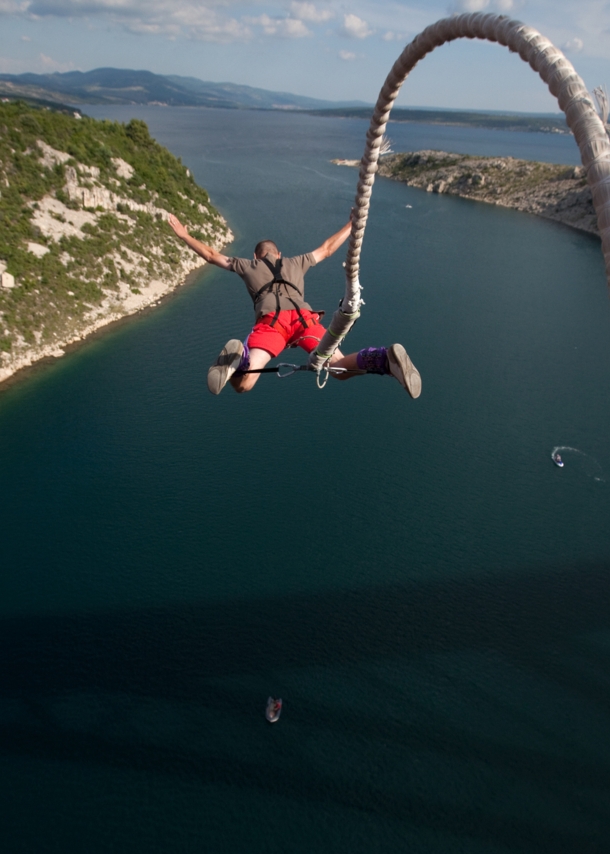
(564,83)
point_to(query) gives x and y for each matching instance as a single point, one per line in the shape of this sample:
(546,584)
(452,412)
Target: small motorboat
(274,709)
(557,460)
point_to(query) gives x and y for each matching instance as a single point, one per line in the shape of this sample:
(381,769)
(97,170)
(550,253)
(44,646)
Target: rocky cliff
(549,190)
(556,192)
(83,232)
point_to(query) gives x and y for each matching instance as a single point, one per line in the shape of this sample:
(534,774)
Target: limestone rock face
(50,156)
(92,194)
(123,169)
(38,249)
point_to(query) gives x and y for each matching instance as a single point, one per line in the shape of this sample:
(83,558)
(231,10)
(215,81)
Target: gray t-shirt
(256,275)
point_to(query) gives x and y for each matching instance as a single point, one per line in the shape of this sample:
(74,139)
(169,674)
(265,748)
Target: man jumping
(283,318)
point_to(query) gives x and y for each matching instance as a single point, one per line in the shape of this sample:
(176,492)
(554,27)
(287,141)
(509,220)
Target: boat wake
(315,172)
(580,462)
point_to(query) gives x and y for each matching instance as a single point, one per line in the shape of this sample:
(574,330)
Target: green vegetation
(114,248)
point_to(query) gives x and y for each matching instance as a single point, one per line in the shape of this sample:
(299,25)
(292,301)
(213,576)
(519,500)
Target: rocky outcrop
(84,187)
(549,190)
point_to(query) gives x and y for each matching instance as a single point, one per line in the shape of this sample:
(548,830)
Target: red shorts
(288,331)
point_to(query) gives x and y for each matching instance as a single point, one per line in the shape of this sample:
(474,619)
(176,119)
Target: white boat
(557,460)
(274,709)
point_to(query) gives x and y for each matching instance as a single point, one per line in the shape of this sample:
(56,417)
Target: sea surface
(426,591)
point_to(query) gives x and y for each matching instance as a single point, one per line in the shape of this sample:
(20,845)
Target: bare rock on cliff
(557,192)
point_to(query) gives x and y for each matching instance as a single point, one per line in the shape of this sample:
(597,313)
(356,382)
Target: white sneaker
(404,370)
(225,365)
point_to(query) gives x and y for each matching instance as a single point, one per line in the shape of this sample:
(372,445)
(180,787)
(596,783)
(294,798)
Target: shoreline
(35,360)
(559,193)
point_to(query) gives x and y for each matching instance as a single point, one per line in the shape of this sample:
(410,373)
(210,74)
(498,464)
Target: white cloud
(197,22)
(468,6)
(355,27)
(208,22)
(287,28)
(347,55)
(49,64)
(26,39)
(80,8)
(228,21)
(291,28)
(309,12)
(391,36)
(150,28)
(502,6)
(152,17)
(574,45)
(13,7)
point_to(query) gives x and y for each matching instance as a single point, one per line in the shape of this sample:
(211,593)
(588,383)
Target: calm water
(426,591)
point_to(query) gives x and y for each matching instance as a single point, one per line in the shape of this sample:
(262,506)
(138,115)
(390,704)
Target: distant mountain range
(124,86)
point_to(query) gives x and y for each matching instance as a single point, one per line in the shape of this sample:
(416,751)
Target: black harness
(277,282)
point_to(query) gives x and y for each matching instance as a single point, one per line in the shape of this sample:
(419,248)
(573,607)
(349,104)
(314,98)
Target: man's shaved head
(266,247)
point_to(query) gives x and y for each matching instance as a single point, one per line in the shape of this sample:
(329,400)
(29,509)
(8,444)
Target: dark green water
(426,591)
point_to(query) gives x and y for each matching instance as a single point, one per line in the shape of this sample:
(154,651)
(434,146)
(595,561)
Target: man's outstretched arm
(331,244)
(208,253)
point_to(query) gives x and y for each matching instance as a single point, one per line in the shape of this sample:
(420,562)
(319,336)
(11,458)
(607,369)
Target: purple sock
(373,360)
(245,360)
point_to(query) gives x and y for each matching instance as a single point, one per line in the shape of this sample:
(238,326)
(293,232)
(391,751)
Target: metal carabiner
(283,376)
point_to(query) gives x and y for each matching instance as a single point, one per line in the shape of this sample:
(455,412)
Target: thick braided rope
(563,82)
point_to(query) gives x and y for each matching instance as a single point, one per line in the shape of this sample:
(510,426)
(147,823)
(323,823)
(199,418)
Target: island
(83,234)
(549,190)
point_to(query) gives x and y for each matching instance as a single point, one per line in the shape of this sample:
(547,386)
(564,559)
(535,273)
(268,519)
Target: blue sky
(335,50)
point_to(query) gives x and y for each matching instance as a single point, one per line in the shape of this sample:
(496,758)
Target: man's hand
(331,244)
(180,230)
(208,253)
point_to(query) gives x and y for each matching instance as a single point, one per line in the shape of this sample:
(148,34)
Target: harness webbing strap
(295,368)
(278,280)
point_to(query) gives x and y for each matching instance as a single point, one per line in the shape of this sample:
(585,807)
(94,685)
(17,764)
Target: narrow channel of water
(427,592)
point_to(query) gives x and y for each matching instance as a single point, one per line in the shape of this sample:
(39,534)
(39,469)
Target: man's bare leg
(396,363)
(246,382)
(349,362)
